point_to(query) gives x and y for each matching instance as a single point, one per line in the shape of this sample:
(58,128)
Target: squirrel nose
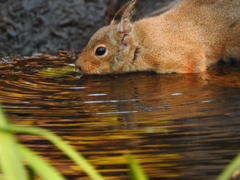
(77,64)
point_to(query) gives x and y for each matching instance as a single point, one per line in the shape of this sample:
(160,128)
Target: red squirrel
(188,38)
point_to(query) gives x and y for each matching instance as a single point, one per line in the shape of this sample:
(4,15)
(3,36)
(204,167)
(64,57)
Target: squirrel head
(110,49)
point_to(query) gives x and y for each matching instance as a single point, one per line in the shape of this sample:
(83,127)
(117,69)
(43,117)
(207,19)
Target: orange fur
(188,38)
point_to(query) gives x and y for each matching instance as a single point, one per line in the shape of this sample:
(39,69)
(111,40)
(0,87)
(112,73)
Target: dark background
(45,26)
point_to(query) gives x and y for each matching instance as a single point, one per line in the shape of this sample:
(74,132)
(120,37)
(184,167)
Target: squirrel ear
(124,27)
(125,13)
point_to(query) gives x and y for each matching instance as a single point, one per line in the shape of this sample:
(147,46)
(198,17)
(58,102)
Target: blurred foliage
(15,155)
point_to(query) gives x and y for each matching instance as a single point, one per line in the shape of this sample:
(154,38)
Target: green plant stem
(229,170)
(62,145)
(39,165)
(10,159)
(136,172)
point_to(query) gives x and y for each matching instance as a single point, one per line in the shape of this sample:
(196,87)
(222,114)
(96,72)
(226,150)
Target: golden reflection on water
(176,126)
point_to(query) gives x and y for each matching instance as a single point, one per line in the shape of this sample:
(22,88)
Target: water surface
(176,126)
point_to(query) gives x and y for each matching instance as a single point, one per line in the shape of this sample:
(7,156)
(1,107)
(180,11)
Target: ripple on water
(177,126)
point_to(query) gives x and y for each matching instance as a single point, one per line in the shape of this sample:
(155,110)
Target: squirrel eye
(100,51)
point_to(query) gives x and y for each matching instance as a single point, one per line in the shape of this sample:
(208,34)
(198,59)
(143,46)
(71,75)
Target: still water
(176,126)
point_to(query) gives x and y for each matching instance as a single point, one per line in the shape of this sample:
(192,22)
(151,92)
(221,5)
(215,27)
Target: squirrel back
(188,38)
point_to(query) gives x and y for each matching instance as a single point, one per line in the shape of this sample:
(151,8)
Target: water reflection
(176,126)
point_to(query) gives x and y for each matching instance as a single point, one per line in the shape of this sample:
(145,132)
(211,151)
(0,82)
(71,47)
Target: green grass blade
(136,172)
(39,165)
(62,145)
(10,159)
(229,170)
